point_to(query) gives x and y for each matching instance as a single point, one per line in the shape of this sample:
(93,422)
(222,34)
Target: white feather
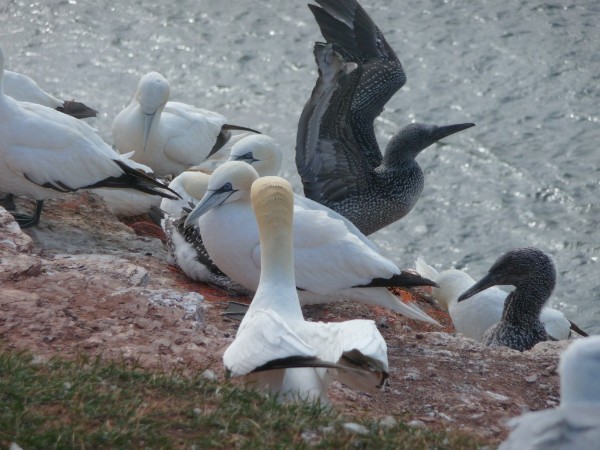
(474,316)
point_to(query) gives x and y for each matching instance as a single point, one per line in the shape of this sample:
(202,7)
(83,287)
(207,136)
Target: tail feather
(136,179)
(402,279)
(425,269)
(77,109)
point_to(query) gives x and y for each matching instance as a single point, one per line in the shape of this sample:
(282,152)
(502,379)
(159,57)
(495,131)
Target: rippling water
(526,72)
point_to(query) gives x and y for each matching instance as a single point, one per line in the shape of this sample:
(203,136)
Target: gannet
(186,249)
(337,155)
(24,89)
(275,346)
(331,261)
(475,315)
(168,136)
(532,273)
(44,153)
(575,424)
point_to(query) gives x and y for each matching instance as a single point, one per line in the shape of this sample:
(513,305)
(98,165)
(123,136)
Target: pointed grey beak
(486,282)
(148,118)
(447,130)
(210,200)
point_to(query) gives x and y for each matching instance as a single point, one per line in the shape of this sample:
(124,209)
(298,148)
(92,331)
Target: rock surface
(84,283)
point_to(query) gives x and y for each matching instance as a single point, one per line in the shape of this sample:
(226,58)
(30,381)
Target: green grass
(96,404)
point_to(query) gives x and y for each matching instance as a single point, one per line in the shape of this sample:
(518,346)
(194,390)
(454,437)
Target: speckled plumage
(337,155)
(532,273)
(187,251)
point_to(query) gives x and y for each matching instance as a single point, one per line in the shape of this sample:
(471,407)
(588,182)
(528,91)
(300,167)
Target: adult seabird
(44,153)
(337,155)
(185,245)
(332,261)
(275,347)
(474,316)
(24,89)
(168,136)
(532,273)
(575,423)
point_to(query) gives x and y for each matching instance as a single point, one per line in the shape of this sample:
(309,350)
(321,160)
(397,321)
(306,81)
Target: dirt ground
(83,282)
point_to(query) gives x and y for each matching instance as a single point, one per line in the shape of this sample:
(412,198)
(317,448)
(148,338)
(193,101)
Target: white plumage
(274,333)
(575,424)
(331,261)
(474,316)
(44,153)
(22,88)
(167,136)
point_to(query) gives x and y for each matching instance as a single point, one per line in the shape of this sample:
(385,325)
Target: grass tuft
(95,404)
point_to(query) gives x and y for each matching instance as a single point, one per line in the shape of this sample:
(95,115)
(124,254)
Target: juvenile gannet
(168,136)
(475,315)
(44,153)
(532,273)
(337,155)
(275,346)
(575,424)
(24,89)
(331,261)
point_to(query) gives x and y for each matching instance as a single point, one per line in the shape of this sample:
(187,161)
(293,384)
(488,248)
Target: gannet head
(273,204)
(195,183)
(152,95)
(260,151)
(416,137)
(229,183)
(516,267)
(579,367)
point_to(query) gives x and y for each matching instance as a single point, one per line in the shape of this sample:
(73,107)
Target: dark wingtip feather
(77,109)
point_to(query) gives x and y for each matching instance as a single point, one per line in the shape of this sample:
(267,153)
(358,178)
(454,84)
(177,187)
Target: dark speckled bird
(533,275)
(337,154)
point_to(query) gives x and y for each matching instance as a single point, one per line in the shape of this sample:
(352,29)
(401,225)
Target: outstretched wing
(346,24)
(329,160)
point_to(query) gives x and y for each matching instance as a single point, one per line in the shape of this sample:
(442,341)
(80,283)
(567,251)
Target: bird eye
(249,155)
(227,187)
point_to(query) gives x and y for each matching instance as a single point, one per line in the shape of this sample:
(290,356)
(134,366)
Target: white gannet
(331,261)
(44,153)
(24,89)
(186,249)
(473,317)
(275,346)
(168,136)
(575,423)
(532,273)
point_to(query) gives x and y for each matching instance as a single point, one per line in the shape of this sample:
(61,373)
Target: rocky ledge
(84,283)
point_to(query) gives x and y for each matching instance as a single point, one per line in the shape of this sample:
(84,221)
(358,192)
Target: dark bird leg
(29,221)
(8,202)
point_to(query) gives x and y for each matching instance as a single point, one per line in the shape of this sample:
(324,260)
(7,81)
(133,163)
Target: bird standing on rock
(532,273)
(275,348)
(44,153)
(474,316)
(168,136)
(337,155)
(332,261)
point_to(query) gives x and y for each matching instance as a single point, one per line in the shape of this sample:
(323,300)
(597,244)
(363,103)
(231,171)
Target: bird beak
(486,282)
(210,200)
(447,130)
(148,118)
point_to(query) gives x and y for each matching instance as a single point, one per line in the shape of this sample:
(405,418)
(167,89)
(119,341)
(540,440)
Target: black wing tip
(77,109)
